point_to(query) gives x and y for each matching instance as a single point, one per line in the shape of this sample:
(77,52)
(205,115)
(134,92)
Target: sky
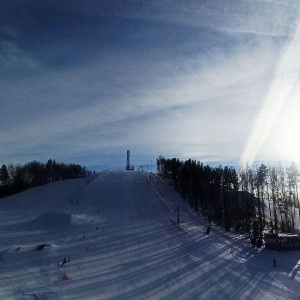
(84,81)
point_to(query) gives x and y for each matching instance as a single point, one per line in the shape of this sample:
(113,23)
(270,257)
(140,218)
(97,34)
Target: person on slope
(65,261)
(208,230)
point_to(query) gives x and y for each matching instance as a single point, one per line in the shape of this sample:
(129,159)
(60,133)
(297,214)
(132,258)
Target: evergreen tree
(275,196)
(4,176)
(292,177)
(261,176)
(49,171)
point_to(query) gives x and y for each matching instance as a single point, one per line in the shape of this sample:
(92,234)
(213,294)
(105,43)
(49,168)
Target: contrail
(286,76)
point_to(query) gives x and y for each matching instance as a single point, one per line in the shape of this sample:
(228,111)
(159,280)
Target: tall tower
(128,165)
(128,160)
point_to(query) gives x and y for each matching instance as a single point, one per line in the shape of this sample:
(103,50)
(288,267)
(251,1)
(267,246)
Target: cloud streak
(239,16)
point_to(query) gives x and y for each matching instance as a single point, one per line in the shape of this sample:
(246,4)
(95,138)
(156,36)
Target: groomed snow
(121,234)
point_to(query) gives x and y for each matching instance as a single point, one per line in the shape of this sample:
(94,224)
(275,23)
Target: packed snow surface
(121,234)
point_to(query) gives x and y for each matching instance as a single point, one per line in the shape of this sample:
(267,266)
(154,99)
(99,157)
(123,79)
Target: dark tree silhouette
(36,173)
(237,200)
(4,176)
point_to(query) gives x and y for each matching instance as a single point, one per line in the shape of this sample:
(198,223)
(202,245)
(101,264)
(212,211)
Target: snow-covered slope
(120,233)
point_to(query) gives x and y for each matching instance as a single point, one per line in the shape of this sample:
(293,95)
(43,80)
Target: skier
(65,261)
(274,262)
(208,230)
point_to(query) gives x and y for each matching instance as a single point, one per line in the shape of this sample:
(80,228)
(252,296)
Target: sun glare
(286,137)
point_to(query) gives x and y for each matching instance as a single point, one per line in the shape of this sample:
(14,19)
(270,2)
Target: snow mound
(42,246)
(50,221)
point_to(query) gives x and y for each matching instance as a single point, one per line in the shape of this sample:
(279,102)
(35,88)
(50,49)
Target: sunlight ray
(285,78)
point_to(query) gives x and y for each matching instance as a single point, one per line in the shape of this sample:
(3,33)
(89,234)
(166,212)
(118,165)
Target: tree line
(16,178)
(248,200)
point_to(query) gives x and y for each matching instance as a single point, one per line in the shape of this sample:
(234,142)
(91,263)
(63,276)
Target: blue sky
(83,81)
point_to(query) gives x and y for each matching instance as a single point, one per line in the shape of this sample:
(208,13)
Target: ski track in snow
(121,233)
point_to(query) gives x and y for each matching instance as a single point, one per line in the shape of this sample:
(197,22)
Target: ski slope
(119,230)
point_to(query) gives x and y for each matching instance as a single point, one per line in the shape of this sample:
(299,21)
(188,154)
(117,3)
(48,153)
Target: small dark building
(282,241)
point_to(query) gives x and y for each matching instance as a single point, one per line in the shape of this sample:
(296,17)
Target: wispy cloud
(263,17)
(13,59)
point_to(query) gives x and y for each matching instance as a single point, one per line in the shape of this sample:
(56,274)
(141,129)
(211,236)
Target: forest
(248,201)
(16,178)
